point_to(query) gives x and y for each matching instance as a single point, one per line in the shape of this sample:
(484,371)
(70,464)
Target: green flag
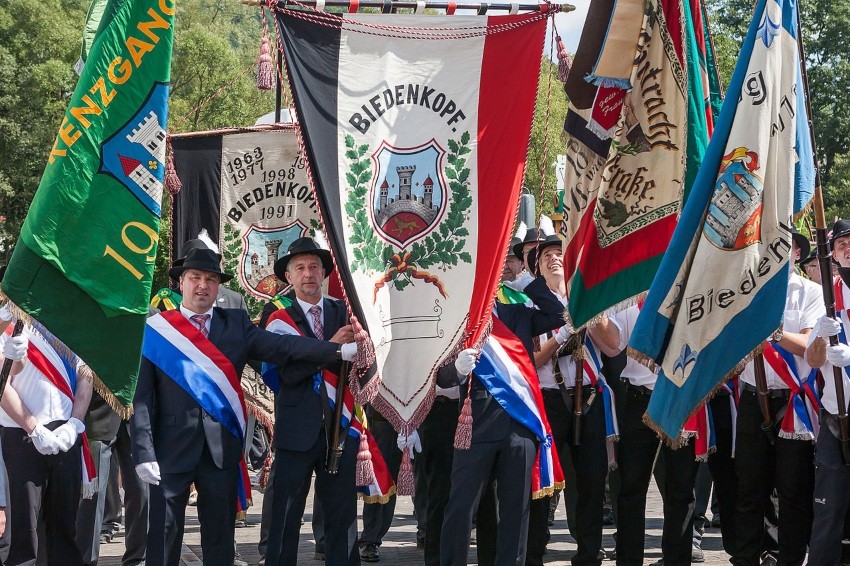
(83,264)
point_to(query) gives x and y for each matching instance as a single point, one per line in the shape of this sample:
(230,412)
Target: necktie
(200,321)
(318,328)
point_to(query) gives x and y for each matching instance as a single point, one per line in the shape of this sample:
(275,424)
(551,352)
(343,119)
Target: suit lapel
(216,325)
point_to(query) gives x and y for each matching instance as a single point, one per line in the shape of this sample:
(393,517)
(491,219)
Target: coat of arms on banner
(261,249)
(407,205)
(135,155)
(266,203)
(734,215)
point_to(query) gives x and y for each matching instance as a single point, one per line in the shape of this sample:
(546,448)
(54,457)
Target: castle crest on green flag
(83,264)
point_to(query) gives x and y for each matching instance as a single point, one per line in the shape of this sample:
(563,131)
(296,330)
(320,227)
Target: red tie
(318,328)
(200,321)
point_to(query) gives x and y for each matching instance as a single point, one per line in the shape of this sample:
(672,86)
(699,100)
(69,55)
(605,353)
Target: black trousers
(637,448)
(90,512)
(46,487)
(437,434)
(217,492)
(510,462)
(831,498)
(789,467)
(721,464)
(338,493)
(136,498)
(377,517)
(590,460)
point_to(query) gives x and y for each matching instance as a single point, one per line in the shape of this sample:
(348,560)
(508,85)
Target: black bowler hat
(840,228)
(803,245)
(550,241)
(190,245)
(532,235)
(201,259)
(305,245)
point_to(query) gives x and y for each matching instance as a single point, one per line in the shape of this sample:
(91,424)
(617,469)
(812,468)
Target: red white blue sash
(174,345)
(593,370)
(801,418)
(508,374)
(380,486)
(62,375)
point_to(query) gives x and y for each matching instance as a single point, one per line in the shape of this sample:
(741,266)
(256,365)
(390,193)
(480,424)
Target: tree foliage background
(217,40)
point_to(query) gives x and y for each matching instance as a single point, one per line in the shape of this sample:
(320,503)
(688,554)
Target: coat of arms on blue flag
(720,291)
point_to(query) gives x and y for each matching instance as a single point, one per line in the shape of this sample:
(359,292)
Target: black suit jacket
(298,410)
(169,427)
(490,421)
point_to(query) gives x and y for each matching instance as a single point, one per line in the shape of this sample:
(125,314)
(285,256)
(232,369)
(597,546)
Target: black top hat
(514,242)
(532,235)
(808,259)
(840,228)
(550,241)
(305,245)
(201,259)
(803,244)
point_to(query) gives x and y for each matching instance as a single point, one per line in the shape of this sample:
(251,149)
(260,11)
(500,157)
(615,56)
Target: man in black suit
(302,416)
(176,441)
(501,448)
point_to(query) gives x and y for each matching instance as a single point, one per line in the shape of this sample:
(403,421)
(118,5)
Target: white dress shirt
(635,372)
(305,306)
(189,314)
(828,399)
(37,393)
(803,307)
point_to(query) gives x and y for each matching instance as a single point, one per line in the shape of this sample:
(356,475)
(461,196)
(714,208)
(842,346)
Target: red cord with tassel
(565,61)
(463,434)
(365,471)
(404,485)
(265,69)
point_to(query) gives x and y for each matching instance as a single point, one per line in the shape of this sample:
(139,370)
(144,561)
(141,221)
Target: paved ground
(399,546)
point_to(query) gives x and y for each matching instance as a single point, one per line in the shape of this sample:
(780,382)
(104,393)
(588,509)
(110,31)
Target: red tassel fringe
(364,471)
(265,69)
(172,181)
(565,61)
(404,485)
(463,435)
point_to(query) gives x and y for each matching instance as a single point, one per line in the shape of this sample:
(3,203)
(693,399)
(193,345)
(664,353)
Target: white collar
(305,306)
(189,314)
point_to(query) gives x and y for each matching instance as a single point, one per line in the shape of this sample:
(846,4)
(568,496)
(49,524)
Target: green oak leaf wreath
(441,248)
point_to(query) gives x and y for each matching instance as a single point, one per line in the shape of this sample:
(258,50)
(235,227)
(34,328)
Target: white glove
(838,356)
(68,433)
(15,347)
(348,351)
(563,334)
(45,441)
(149,472)
(411,442)
(826,327)
(6,313)
(467,360)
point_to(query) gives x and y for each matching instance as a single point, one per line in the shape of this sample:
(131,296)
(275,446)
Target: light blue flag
(720,290)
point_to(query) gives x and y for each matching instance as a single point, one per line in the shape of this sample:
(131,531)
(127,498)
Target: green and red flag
(83,264)
(632,154)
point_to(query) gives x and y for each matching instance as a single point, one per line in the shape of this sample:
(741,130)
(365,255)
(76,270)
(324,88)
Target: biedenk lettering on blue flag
(720,290)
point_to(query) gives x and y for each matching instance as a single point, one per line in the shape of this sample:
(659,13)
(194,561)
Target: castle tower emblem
(408,196)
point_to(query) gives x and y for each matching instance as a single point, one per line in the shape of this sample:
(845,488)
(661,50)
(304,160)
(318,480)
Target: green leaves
(443,248)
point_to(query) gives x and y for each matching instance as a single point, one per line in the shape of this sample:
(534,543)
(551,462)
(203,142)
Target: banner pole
(824,255)
(389,6)
(7,363)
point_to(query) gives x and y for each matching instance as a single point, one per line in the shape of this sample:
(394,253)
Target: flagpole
(389,6)
(7,363)
(824,255)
